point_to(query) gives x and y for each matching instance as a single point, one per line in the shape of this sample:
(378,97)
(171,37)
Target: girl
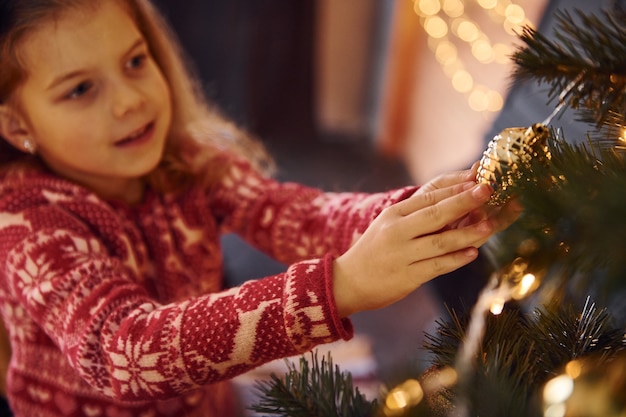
(116,180)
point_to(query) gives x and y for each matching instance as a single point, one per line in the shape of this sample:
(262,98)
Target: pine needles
(520,352)
(574,215)
(316,389)
(589,49)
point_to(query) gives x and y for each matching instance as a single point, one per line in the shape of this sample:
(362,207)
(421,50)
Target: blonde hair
(202,142)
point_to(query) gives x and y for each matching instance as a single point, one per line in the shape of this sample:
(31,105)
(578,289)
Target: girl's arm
(291,222)
(72,276)
(127,345)
(386,244)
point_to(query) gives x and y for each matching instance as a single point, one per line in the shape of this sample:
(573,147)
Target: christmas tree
(547,336)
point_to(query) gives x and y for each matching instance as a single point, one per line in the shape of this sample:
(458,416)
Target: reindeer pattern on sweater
(117,310)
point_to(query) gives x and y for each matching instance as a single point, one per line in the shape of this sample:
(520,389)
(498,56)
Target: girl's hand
(501,217)
(433,232)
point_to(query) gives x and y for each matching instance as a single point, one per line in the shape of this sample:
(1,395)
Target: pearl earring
(28,145)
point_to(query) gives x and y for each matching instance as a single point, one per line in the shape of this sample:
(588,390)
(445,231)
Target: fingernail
(481,191)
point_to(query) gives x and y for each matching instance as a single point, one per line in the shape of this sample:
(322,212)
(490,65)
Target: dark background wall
(254,57)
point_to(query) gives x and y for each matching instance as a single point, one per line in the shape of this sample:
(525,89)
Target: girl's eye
(80,90)
(137,61)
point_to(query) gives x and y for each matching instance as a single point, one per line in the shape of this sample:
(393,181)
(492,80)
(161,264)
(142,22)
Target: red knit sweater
(120,311)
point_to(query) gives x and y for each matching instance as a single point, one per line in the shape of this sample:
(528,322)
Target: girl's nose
(127,99)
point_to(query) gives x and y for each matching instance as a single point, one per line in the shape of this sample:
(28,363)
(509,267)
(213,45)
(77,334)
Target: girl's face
(94,102)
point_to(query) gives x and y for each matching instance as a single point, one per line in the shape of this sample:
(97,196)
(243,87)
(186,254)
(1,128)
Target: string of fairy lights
(450,27)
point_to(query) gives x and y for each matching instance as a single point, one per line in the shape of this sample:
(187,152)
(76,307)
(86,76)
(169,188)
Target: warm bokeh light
(453,8)
(427,7)
(449,26)
(497,306)
(526,285)
(446,53)
(574,368)
(511,28)
(467,31)
(515,14)
(436,27)
(478,101)
(462,81)
(452,68)
(558,389)
(443,378)
(408,394)
(555,410)
(483,52)
(496,101)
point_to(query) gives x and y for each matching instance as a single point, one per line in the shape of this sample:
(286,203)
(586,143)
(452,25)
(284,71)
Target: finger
(419,201)
(437,244)
(473,217)
(446,211)
(449,179)
(474,169)
(428,269)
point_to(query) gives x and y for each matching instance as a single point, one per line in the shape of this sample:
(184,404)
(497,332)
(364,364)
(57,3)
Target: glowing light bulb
(525,286)
(497,305)
(558,389)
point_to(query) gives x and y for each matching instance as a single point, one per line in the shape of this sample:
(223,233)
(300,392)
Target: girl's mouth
(138,137)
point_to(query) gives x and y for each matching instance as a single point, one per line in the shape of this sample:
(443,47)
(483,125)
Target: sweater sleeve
(292,222)
(128,346)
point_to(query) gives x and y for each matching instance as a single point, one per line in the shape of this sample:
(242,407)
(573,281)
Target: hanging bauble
(506,153)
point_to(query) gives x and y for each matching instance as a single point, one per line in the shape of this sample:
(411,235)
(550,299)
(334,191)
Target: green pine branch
(572,231)
(587,49)
(315,389)
(573,222)
(520,352)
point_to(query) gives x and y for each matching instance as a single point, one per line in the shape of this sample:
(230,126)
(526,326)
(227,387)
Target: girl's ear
(14,130)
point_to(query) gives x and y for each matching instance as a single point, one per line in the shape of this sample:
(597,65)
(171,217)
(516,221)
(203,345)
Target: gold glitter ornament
(507,151)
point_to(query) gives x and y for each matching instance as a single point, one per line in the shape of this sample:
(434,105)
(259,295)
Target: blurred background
(418,81)
(360,95)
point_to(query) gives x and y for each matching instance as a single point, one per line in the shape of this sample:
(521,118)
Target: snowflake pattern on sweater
(118,311)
